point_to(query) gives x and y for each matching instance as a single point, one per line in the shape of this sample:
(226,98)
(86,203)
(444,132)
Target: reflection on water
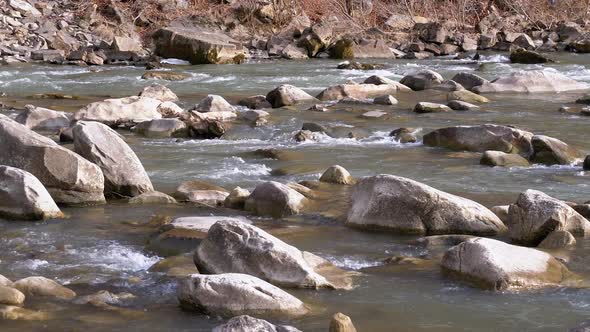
(105,247)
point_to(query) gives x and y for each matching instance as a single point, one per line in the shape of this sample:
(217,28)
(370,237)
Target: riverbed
(106,247)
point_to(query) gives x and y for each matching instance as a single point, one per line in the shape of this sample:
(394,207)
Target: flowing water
(105,247)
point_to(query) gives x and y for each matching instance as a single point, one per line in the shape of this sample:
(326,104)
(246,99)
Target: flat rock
(533,81)
(498,158)
(425,107)
(41,286)
(120,111)
(43,119)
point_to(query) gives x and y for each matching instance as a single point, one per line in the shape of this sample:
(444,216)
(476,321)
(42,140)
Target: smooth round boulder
(23,196)
(123,172)
(402,205)
(422,80)
(236,198)
(287,95)
(337,174)
(233,294)
(11,296)
(41,286)
(158,92)
(247,323)
(495,265)
(275,200)
(213,103)
(551,151)
(152,197)
(499,158)
(536,214)
(235,247)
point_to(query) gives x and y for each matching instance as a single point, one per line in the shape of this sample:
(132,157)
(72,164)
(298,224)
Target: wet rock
(114,112)
(158,92)
(159,128)
(584,100)
(236,198)
(23,196)
(443,240)
(469,80)
(233,294)
(550,151)
(175,266)
(496,265)
(422,80)
(41,286)
(236,247)
(341,323)
(458,105)
(275,200)
(385,100)
(68,177)
(347,48)
(287,95)
(105,297)
(481,138)
(247,323)
(521,55)
(123,172)
(583,327)
(358,66)
(502,211)
(587,163)
(581,46)
(255,102)
(197,46)
(449,85)
(533,81)
(406,206)
(425,107)
(213,103)
(337,174)
(404,135)
(498,158)
(169,109)
(153,197)
(467,96)
(373,114)
(380,80)
(304,135)
(186,189)
(9,312)
(535,215)
(557,240)
(255,117)
(165,75)
(357,91)
(11,296)
(44,119)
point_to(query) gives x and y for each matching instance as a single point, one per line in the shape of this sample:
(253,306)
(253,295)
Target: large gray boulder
(120,111)
(198,46)
(533,81)
(492,264)
(22,196)
(481,138)
(233,294)
(123,172)
(422,80)
(247,323)
(406,206)
(357,91)
(551,151)
(236,247)
(68,177)
(43,119)
(275,199)
(287,95)
(536,214)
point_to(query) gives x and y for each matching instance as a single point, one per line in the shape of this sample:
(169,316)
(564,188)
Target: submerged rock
(551,151)
(123,172)
(275,200)
(158,92)
(404,135)
(287,95)
(535,215)
(236,247)
(197,45)
(422,80)
(120,111)
(23,196)
(492,264)
(443,240)
(247,323)
(162,128)
(10,312)
(175,266)
(165,75)
(39,118)
(481,138)
(153,197)
(406,206)
(498,158)
(68,177)
(341,323)
(533,81)
(467,96)
(41,286)
(232,294)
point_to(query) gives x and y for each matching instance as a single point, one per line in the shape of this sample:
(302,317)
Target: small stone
(425,107)
(237,198)
(458,105)
(385,100)
(341,323)
(338,175)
